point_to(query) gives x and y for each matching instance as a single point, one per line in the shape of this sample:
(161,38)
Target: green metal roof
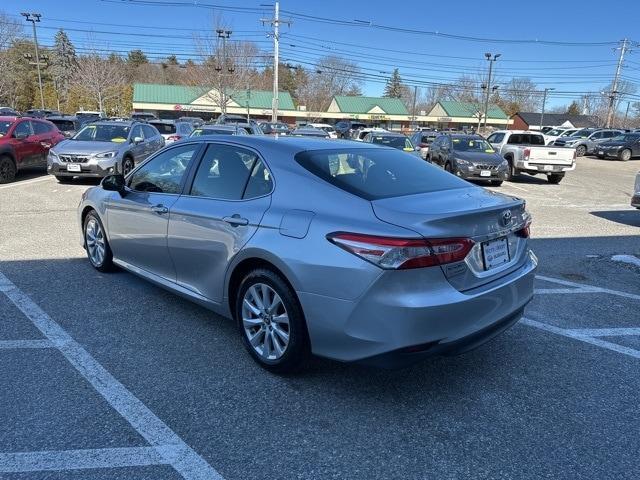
(184,94)
(353,104)
(469,109)
(156,93)
(262,99)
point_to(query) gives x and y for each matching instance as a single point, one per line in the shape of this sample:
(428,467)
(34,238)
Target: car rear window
(64,125)
(374,173)
(166,128)
(525,139)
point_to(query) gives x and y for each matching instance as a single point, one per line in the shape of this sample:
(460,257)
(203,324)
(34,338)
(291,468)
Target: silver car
(103,148)
(339,249)
(635,199)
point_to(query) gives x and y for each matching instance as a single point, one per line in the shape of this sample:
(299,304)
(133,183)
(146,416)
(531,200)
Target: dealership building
(173,101)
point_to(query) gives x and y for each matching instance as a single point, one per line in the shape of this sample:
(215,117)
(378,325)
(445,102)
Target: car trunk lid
(472,212)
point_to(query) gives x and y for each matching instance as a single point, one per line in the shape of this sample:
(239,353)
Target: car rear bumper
(407,315)
(544,167)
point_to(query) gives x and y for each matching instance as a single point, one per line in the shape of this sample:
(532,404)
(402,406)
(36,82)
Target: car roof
(388,134)
(117,122)
(62,117)
(8,118)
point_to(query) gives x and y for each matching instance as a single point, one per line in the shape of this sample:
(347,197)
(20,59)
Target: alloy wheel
(127,166)
(94,238)
(265,321)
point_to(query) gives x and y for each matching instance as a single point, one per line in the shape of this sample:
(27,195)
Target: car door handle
(159,209)
(236,220)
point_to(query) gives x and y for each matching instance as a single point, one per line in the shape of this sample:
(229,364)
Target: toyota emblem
(506,218)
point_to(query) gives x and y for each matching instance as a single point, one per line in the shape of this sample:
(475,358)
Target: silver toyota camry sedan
(340,249)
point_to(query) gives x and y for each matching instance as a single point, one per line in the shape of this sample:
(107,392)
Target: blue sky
(160,30)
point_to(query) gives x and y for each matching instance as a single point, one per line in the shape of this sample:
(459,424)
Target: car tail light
(525,231)
(174,138)
(527,153)
(403,253)
(423,145)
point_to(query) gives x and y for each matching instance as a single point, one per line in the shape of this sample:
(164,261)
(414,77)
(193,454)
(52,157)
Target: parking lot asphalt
(105,376)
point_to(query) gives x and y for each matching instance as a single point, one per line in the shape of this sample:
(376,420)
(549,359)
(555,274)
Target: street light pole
(491,59)
(544,101)
(224,35)
(35,18)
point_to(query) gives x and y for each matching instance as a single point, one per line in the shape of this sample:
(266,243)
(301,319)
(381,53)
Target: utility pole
(614,87)
(275,22)
(413,112)
(544,101)
(626,115)
(222,69)
(491,60)
(35,18)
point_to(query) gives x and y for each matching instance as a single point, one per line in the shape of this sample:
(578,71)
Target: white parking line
(26,182)
(80,459)
(16,344)
(605,332)
(179,455)
(543,291)
(583,338)
(582,288)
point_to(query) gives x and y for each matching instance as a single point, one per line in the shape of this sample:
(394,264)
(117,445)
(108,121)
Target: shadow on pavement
(624,217)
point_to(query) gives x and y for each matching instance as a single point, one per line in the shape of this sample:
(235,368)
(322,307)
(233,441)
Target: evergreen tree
(63,66)
(393,88)
(135,58)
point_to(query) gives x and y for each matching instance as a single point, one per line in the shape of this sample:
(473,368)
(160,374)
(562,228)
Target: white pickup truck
(526,153)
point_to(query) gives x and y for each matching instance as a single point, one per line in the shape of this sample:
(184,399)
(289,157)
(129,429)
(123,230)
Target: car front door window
(165,173)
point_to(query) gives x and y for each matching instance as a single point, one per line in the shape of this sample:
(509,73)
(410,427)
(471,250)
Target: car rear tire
(61,179)
(7,170)
(625,155)
(511,171)
(127,165)
(581,150)
(448,167)
(555,178)
(96,243)
(271,322)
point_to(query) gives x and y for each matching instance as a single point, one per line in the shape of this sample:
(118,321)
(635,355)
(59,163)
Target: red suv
(25,142)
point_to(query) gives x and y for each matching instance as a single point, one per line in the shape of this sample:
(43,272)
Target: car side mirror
(138,140)
(20,136)
(114,183)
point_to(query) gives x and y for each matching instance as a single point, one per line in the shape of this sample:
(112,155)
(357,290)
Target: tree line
(97,79)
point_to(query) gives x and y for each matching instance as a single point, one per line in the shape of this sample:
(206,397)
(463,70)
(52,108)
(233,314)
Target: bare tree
(102,79)
(520,94)
(332,76)
(225,65)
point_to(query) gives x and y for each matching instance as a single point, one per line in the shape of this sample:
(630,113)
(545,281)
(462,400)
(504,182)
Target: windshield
(4,128)
(103,133)
(582,133)
(568,133)
(626,138)
(166,128)
(396,142)
(471,145)
(375,173)
(555,132)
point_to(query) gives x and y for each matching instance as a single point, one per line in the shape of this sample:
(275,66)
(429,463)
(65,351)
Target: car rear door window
(224,173)
(137,132)
(149,131)
(23,128)
(165,172)
(377,173)
(40,128)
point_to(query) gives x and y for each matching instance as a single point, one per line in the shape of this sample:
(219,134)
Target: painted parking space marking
(26,182)
(605,332)
(571,333)
(17,344)
(170,447)
(80,459)
(582,288)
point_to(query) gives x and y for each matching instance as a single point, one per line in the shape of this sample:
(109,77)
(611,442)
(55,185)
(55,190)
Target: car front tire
(271,322)
(581,150)
(7,170)
(625,155)
(62,179)
(96,243)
